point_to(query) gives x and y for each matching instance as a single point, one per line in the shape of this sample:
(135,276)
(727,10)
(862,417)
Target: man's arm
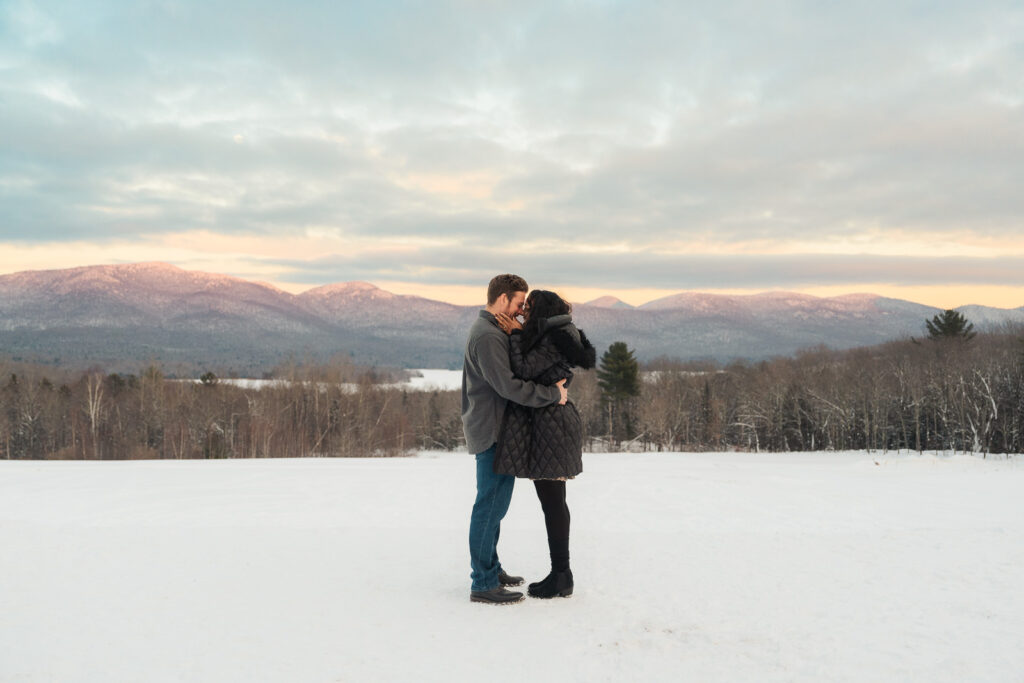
(492,357)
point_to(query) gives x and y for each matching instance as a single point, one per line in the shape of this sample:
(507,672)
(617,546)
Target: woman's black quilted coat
(544,443)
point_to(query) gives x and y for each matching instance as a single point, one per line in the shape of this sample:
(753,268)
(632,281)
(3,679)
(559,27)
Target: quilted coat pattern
(544,443)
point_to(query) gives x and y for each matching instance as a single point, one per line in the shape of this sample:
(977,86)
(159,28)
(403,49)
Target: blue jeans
(493,495)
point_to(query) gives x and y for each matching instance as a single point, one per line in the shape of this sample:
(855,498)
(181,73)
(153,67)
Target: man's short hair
(505,284)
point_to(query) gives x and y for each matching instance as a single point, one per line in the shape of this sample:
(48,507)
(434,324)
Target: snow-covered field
(689,567)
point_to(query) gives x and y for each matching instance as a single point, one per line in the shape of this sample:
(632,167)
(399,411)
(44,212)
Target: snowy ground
(697,567)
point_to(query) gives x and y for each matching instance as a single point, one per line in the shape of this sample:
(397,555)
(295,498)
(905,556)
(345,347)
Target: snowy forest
(955,393)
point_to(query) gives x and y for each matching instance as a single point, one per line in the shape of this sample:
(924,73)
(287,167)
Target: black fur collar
(575,346)
(536,328)
(567,338)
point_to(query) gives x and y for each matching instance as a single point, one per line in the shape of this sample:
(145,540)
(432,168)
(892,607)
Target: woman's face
(526,310)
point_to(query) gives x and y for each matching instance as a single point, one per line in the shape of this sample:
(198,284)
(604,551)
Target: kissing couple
(519,422)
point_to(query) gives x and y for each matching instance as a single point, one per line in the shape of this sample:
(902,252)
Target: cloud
(646,129)
(446,266)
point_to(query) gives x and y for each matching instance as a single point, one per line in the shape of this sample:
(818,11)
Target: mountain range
(122,316)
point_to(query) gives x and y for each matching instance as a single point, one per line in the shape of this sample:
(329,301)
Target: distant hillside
(126,315)
(608,302)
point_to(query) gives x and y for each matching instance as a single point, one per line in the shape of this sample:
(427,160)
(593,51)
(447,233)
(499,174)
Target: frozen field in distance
(422,380)
(428,380)
(692,567)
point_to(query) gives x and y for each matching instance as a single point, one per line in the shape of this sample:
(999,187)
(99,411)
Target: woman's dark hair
(541,305)
(544,304)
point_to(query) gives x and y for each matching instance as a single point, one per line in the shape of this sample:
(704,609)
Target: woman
(546,444)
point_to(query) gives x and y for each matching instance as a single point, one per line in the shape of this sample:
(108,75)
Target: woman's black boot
(557,584)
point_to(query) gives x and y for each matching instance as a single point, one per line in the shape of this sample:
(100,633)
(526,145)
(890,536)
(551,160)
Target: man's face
(515,304)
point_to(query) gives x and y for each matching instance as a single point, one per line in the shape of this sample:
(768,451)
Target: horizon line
(473,295)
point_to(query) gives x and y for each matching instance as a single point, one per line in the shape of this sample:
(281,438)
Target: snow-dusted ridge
(121,315)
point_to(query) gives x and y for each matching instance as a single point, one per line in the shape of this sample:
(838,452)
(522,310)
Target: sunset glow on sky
(636,149)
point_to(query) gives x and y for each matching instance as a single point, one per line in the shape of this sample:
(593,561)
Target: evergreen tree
(950,324)
(618,376)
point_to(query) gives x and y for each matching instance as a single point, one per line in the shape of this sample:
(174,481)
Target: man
(487,384)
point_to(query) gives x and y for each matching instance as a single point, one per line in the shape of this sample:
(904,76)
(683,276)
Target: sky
(636,148)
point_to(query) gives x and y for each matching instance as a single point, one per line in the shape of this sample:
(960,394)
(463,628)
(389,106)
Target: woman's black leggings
(556,518)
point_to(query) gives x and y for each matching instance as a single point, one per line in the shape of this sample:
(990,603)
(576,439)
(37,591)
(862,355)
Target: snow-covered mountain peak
(607,302)
(863,298)
(696,301)
(781,296)
(129,279)
(704,302)
(355,289)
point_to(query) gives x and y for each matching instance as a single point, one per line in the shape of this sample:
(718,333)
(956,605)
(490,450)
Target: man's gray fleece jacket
(488,383)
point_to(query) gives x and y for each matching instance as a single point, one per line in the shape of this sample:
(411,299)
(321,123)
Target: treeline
(951,394)
(955,394)
(315,412)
